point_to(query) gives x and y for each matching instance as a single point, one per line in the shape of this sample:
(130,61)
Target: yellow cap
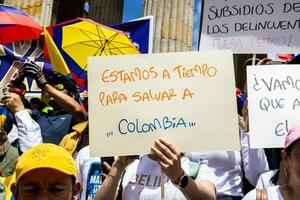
(48,156)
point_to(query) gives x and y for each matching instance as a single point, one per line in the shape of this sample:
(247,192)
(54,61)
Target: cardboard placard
(273,102)
(188,98)
(251,26)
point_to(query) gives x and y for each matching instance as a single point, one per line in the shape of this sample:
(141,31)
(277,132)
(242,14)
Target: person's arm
(66,102)
(169,158)
(254,160)
(29,132)
(31,69)
(108,189)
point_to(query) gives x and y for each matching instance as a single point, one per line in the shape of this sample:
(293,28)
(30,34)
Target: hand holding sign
(169,158)
(136,99)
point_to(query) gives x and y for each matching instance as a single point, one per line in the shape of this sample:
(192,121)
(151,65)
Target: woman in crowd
(143,178)
(231,167)
(273,177)
(291,157)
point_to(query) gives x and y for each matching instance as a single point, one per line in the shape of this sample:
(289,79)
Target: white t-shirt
(264,180)
(142,179)
(273,194)
(89,170)
(227,165)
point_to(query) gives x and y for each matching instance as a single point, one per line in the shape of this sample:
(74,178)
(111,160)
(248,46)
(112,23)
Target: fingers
(107,166)
(169,158)
(165,149)
(31,68)
(103,176)
(13,102)
(9,95)
(161,158)
(123,161)
(264,61)
(170,146)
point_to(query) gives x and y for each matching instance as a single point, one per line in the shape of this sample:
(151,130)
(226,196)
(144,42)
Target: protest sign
(274,103)
(251,26)
(187,98)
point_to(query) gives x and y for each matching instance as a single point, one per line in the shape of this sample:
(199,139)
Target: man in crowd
(59,91)
(46,171)
(28,131)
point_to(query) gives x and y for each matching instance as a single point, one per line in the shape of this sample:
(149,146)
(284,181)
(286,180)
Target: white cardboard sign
(251,26)
(273,102)
(188,98)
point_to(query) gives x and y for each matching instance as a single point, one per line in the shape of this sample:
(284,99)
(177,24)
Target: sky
(133,9)
(196,25)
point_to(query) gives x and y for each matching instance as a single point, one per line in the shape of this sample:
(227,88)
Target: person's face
(42,184)
(50,101)
(293,162)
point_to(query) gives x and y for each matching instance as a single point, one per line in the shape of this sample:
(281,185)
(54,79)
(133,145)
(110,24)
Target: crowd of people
(45,155)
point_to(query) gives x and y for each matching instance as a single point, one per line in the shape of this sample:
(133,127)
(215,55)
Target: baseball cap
(292,135)
(48,156)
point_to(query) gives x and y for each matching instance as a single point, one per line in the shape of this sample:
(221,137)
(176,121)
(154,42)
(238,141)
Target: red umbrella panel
(16,25)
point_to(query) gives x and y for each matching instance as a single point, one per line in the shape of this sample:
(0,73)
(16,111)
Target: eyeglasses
(297,154)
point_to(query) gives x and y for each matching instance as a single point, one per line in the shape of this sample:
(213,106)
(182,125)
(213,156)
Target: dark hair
(288,150)
(276,152)
(275,177)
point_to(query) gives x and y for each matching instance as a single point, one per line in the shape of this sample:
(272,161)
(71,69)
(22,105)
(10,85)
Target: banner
(187,98)
(140,31)
(274,103)
(251,26)
(11,56)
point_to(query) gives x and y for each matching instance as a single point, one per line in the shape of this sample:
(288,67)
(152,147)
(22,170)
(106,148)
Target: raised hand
(169,158)
(19,78)
(13,102)
(33,70)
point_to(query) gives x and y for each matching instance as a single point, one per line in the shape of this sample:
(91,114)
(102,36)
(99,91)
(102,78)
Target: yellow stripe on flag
(2,120)
(57,61)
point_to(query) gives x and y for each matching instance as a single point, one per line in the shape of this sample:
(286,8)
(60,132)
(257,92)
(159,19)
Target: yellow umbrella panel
(87,38)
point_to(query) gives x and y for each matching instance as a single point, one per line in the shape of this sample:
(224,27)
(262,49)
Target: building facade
(173,27)
(49,12)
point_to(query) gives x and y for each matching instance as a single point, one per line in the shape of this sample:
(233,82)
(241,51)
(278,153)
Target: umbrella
(16,25)
(81,38)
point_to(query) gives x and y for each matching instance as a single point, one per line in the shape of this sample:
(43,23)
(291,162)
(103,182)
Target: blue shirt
(53,128)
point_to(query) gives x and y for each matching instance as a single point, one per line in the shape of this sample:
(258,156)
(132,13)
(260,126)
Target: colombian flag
(4,112)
